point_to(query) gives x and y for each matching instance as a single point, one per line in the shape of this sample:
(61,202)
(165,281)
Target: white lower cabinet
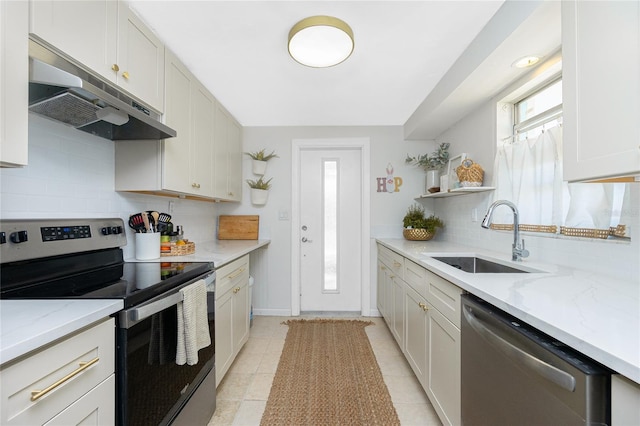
(231,312)
(69,383)
(625,400)
(428,316)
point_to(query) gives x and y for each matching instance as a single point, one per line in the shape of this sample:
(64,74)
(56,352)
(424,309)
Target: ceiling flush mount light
(320,41)
(525,62)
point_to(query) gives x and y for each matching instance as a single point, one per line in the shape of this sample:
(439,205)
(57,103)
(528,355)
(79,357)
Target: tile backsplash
(71,175)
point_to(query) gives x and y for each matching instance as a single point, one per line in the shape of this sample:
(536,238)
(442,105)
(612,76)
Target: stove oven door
(151,388)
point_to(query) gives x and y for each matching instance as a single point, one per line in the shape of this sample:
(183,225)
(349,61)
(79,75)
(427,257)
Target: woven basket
(182,250)
(470,174)
(417,234)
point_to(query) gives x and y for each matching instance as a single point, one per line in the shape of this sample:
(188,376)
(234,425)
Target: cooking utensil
(154,218)
(137,223)
(145,220)
(163,221)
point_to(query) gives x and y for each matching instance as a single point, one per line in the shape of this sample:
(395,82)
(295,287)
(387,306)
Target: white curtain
(529,173)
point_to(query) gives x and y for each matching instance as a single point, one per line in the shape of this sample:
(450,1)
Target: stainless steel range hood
(62,91)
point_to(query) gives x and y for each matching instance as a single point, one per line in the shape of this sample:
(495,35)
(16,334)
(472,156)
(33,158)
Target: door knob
(305,240)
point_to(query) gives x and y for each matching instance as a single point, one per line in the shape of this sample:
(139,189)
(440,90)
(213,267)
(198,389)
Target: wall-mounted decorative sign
(390,183)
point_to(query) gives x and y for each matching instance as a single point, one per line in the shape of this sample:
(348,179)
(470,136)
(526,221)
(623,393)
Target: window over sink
(528,171)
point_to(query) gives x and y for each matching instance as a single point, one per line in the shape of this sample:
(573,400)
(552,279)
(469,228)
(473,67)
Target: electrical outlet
(474,215)
(172,205)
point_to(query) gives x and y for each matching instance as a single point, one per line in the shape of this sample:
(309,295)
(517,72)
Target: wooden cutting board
(238,227)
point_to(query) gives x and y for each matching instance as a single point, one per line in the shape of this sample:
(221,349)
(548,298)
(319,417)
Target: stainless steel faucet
(517,251)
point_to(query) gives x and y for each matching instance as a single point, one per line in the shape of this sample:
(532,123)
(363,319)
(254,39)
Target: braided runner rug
(328,375)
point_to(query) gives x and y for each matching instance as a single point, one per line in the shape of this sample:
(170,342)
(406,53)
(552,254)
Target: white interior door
(330,243)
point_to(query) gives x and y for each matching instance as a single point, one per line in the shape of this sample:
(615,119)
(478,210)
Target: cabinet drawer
(53,369)
(95,408)
(415,276)
(392,260)
(234,274)
(444,296)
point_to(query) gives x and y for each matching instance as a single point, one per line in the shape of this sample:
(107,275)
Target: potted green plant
(417,227)
(259,161)
(432,164)
(259,190)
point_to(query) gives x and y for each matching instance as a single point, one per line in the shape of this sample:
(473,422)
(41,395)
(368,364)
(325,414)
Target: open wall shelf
(457,191)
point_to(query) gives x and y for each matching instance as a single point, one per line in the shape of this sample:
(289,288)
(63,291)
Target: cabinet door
(95,408)
(224,342)
(381,279)
(14,71)
(84,30)
(234,174)
(443,376)
(227,166)
(416,311)
(601,88)
(202,139)
(140,59)
(176,150)
(397,321)
(240,316)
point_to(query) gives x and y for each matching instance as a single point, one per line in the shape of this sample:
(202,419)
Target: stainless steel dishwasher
(513,374)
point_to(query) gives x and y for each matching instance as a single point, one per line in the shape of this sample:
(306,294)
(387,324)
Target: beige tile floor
(243,393)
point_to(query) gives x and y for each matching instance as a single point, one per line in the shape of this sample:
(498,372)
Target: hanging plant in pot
(417,227)
(259,161)
(432,164)
(259,190)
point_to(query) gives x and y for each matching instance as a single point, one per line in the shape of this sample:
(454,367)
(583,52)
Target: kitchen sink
(476,265)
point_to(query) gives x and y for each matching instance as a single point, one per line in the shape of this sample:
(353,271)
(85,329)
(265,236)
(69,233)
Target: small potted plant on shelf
(417,227)
(432,164)
(259,161)
(259,190)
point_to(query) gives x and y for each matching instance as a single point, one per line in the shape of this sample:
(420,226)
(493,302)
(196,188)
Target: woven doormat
(328,375)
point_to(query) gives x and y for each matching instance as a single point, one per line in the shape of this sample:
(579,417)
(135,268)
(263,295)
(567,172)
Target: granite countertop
(26,325)
(594,314)
(220,252)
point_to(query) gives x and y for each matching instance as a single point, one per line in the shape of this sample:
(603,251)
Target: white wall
(71,175)
(474,135)
(387,209)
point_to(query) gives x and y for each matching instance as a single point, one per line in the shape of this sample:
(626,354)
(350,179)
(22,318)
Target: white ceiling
(237,49)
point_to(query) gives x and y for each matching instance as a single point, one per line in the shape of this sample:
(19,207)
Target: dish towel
(193,326)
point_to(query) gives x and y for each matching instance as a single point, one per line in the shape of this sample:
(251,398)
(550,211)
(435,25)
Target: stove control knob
(3,238)
(116,230)
(105,231)
(18,237)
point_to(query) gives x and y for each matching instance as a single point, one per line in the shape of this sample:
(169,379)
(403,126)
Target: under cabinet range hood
(62,91)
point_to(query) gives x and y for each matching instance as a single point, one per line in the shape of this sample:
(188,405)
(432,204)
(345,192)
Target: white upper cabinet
(601,89)
(14,74)
(108,38)
(227,156)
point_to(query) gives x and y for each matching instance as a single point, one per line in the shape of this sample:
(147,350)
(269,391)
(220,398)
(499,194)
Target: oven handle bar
(548,371)
(135,315)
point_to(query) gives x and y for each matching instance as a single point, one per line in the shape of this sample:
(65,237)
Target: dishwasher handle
(538,366)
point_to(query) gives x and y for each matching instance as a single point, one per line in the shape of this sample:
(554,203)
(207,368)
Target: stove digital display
(61,233)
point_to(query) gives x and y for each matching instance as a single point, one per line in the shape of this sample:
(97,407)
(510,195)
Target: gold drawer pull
(240,271)
(397,264)
(125,75)
(423,306)
(236,290)
(37,394)
(115,67)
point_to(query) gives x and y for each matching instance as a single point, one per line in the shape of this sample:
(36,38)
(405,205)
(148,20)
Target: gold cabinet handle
(195,185)
(423,306)
(397,264)
(236,290)
(37,394)
(240,271)
(115,67)
(383,268)
(125,75)
(231,194)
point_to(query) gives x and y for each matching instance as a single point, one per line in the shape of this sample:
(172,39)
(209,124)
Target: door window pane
(330,226)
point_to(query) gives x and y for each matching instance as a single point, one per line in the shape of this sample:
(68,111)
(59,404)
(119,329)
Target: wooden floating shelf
(457,191)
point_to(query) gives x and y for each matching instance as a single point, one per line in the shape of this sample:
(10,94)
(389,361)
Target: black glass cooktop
(99,275)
